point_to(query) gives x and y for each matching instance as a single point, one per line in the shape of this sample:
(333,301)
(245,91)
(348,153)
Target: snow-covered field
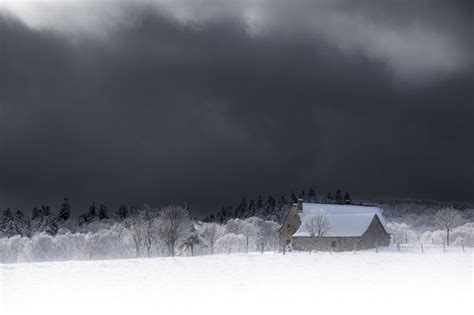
(297,283)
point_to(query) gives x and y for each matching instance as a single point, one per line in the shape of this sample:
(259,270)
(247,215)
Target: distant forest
(44,220)
(274,209)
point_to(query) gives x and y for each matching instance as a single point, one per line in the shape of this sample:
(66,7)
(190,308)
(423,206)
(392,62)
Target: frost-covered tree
(7,224)
(209,233)
(248,230)
(230,241)
(92,213)
(65,210)
(317,225)
(103,212)
(266,233)
(122,212)
(136,224)
(21,223)
(191,240)
(44,221)
(173,225)
(447,218)
(149,221)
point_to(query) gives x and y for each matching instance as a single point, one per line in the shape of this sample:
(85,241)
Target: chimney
(300,204)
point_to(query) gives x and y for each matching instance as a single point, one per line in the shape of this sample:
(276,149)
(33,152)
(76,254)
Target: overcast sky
(208,101)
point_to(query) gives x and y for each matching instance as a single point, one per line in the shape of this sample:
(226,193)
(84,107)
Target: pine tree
(302,195)
(92,213)
(329,198)
(339,196)
(36,213)
(252,207)
(20,223)
(241,208)
(259,202)
(293,198)
(311,195)
(65,210)
(347,198)
(103,212)
(122,212)
(45,210)
(282,202)
(7,226)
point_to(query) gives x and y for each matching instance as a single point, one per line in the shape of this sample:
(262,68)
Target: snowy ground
(297,283)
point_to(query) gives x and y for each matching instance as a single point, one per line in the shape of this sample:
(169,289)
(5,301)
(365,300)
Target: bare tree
(149,221)
(447,218)
(210,233)
(317,225)
(248,230)
(135,222)
(265,233)
(173,225)
(229,241)
(190,241)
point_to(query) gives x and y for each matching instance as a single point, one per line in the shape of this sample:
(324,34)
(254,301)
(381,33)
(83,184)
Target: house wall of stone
(290,225)
(307,243)
(374,236)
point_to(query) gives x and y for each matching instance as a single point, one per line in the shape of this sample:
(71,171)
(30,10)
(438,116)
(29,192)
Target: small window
(333,244)
(287,242)
(288,225)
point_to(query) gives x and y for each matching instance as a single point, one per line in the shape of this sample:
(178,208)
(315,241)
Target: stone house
(350,227)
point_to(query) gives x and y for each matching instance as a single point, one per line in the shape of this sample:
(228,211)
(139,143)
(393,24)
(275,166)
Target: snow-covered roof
(344,220)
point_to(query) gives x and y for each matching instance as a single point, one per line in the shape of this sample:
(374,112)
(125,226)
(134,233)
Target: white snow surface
(345,220)
(389,282)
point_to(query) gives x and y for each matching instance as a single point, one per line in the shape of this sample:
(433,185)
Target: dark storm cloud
(156,104)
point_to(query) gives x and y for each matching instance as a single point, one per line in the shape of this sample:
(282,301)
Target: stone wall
(374,236)
(290,225)
(308,243)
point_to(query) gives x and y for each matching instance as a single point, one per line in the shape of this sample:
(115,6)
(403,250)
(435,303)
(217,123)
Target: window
(287,242)
(288,225)
(333,244)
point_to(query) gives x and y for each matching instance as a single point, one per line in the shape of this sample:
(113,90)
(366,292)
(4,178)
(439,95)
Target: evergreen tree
(339,196)
(65,210)
(282,202)
(311,195)
(92,213)
(36,213)
(347,198)
(103,212)
(293,198)
(302,195)
(20,223)
(329,198)
(7,226)
(259,202)
(122,212)
(7,214)
(241,208)
(45,210)
(252,207)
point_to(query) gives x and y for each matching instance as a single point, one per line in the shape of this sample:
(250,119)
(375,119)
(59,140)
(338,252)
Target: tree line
(272,208)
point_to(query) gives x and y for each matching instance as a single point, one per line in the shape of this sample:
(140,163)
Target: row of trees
(44,220)
(173,227)
(146,232)
(273,208)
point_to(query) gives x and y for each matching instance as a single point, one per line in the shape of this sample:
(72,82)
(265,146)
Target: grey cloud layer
(169,103)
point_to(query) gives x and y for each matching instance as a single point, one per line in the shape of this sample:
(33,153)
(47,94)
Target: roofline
(343,204)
